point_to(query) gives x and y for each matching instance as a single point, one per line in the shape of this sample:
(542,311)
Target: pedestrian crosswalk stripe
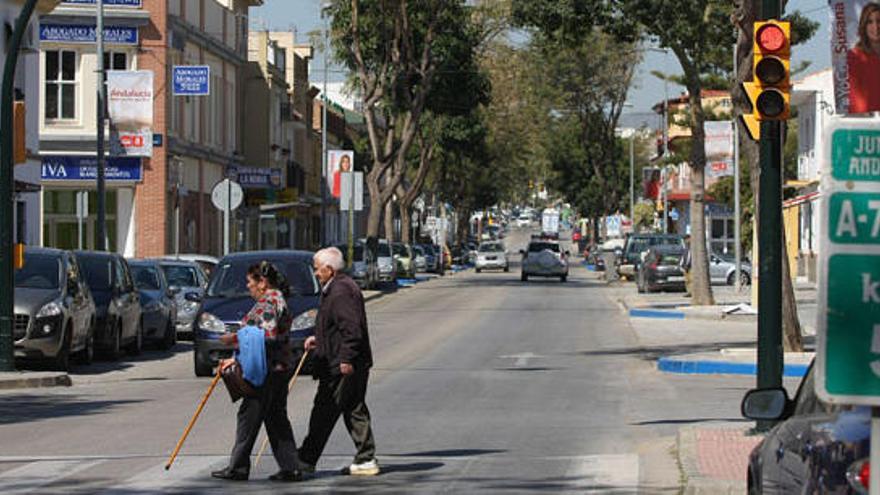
(185,470)
(27,478)
(618,471)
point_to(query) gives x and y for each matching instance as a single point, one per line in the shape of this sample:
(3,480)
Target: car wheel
(506,269)
(115,350)
(479,270)
(170,337)
(200,368)
(744,278)
(62,358)
(137,345)
(563,278)
(87,356)
(523,277)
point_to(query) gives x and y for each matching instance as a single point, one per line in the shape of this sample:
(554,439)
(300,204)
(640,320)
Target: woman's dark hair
(267,271)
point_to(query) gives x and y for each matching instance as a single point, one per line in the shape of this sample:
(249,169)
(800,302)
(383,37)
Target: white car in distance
(491,255)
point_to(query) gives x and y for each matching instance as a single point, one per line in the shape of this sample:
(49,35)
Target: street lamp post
(324,6)
(101,230)
(7,276)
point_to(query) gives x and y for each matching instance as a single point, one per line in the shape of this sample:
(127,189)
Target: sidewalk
(715,460)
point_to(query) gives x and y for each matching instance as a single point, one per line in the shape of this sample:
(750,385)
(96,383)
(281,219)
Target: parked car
(431,259)
(636,244)
(189,278)
(403,257)
(208,263)
(524,220)
(227,301)
(364,271)
(54,310)
(816,447)
(158,307)
(661,270)
(385,260)
(544,259)
(492,255)
(419,259)
(722,270)
(117,302)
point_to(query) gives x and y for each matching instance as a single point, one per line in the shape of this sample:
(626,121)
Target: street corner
(731,361)
(714,458)
(12,380)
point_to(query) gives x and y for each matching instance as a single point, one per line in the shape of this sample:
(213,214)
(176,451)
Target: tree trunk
(389,221)
(701,289)
(747,12)
(405,223)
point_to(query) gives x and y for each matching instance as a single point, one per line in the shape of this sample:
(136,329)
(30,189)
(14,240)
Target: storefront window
(62,227)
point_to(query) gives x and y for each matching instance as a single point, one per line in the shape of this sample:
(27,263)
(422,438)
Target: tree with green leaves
(393,48)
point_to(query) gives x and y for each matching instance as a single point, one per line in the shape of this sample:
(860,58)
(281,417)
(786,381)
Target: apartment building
(160,204)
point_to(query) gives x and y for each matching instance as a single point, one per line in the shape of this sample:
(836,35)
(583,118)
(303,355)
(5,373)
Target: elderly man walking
(342,365)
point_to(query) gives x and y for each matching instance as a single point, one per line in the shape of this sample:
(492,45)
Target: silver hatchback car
(544,259)
(54,309)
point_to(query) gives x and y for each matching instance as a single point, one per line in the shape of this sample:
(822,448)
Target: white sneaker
(369,468)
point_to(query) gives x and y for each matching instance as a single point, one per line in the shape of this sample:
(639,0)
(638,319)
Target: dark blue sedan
(816,448)
(158,307)
(227,301)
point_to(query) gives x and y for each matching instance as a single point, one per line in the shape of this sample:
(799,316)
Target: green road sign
(848,321)
(855,218)
(852,344)
(855,154)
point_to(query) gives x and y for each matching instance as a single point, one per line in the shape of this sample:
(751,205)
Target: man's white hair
(331,257)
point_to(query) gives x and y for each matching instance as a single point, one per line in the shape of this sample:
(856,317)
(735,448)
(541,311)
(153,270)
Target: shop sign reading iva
(79,168)
(848,350)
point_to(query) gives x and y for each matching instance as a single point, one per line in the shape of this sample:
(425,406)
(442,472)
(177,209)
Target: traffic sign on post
(227,195)
(848,343)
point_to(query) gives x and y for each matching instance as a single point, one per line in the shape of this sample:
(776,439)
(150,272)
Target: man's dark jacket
(341,330)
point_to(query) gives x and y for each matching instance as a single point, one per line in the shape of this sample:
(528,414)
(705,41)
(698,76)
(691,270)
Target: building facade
(155,205)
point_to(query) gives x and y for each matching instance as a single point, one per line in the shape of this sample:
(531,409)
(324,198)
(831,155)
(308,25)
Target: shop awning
(26,187)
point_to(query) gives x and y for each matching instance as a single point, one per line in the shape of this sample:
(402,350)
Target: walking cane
(193,420)
(289,388)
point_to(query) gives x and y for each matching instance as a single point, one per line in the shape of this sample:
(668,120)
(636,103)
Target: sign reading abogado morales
(130,106)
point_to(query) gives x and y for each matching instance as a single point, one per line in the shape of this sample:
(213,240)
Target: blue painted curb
(406,282)
(690,367)
(656,313)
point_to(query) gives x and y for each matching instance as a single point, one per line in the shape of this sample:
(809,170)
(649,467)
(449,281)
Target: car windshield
(181,276)
(418,251)
(230,277)
(145,277)
(399,250)
(537,247)
(384,249)
(490,248)
(40,271)
(98,272)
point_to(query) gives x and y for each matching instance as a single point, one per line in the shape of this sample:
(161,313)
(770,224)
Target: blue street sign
(157,140)
(191,80)
(80,168)
(256,177)
(81,33)
(121,3)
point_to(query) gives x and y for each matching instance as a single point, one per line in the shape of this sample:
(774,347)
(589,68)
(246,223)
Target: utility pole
(101,241)
(632,197)
(324,134)
(7,191)
(770,354)
(737,248)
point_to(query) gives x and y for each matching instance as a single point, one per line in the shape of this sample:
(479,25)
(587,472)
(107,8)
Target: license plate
(491,258)
(675,279)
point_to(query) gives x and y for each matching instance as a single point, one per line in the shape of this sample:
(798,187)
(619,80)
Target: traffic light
(770,88)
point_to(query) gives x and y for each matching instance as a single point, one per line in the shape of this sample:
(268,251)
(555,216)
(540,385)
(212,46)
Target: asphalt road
(482,384)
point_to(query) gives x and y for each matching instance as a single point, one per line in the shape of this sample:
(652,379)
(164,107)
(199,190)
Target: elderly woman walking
(268,405)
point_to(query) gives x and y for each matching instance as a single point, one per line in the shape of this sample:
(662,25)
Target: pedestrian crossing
(127,475)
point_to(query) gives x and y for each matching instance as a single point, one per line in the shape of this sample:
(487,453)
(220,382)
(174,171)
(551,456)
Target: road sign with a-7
(848,326)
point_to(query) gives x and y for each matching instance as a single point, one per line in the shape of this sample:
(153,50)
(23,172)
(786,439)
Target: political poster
(855,55)
(130,108)
(338,162)
(719,148)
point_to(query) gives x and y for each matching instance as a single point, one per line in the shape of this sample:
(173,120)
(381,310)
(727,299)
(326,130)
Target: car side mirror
(766,404)
(522,251)
(174,290)
(193,297)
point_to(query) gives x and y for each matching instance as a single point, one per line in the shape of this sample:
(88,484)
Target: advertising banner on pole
(855,55)
(130,107)
(338,162)
(719,148)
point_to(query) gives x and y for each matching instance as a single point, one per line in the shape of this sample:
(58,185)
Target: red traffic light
(770,38)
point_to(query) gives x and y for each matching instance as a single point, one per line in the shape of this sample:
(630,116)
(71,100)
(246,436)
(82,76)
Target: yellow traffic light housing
(770,88)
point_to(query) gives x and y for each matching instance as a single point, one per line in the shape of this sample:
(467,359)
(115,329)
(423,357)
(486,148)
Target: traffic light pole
(7,191)
(770,355)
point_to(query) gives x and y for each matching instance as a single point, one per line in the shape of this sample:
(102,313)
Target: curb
(707,367)
(24,381)
(656,313)
(693,483)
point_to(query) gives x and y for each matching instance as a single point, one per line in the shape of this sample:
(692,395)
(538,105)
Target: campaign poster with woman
(855,55)
(338,162)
